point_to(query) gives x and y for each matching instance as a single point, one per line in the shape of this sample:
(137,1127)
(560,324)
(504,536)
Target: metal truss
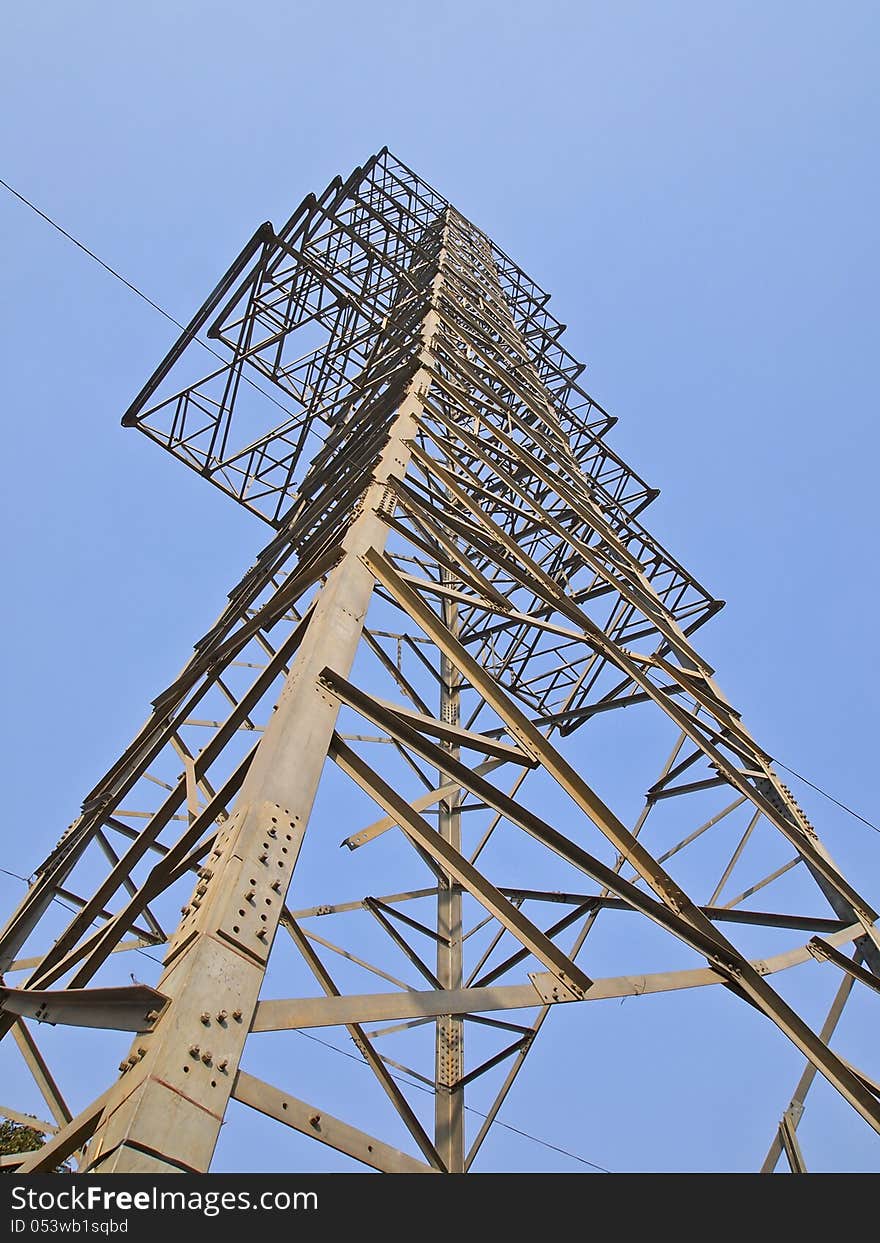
(428,660)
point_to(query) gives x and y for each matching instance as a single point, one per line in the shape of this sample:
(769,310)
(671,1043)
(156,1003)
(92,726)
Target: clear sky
(697,186)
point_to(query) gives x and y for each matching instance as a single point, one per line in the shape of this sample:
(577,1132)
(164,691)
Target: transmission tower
(459,647)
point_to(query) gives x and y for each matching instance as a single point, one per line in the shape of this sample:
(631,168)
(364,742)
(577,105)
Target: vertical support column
(165,1113)
(449,1037)
(449,1107)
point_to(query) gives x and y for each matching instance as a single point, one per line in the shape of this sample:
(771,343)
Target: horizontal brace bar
(375,1007)
(380,1007)
(133,1008)
(691,787)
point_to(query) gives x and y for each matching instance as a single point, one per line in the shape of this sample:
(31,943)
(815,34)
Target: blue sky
(697,186)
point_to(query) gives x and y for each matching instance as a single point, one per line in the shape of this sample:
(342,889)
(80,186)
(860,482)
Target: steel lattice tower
(434,651)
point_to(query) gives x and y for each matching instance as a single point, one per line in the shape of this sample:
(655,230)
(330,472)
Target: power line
(469,1108)
(73,910)
(15,875)
(356,1058)
(134,289)
(91,254)
(830,797)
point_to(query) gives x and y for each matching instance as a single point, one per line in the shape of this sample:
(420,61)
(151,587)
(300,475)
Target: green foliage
(16,1137)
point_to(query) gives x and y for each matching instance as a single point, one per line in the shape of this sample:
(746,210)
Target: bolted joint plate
(449,1052)
(257,878)
(550,989)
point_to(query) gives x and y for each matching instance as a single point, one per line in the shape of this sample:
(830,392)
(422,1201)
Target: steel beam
(129,1009)
(543,990)
(319,1125)
(173,1101)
